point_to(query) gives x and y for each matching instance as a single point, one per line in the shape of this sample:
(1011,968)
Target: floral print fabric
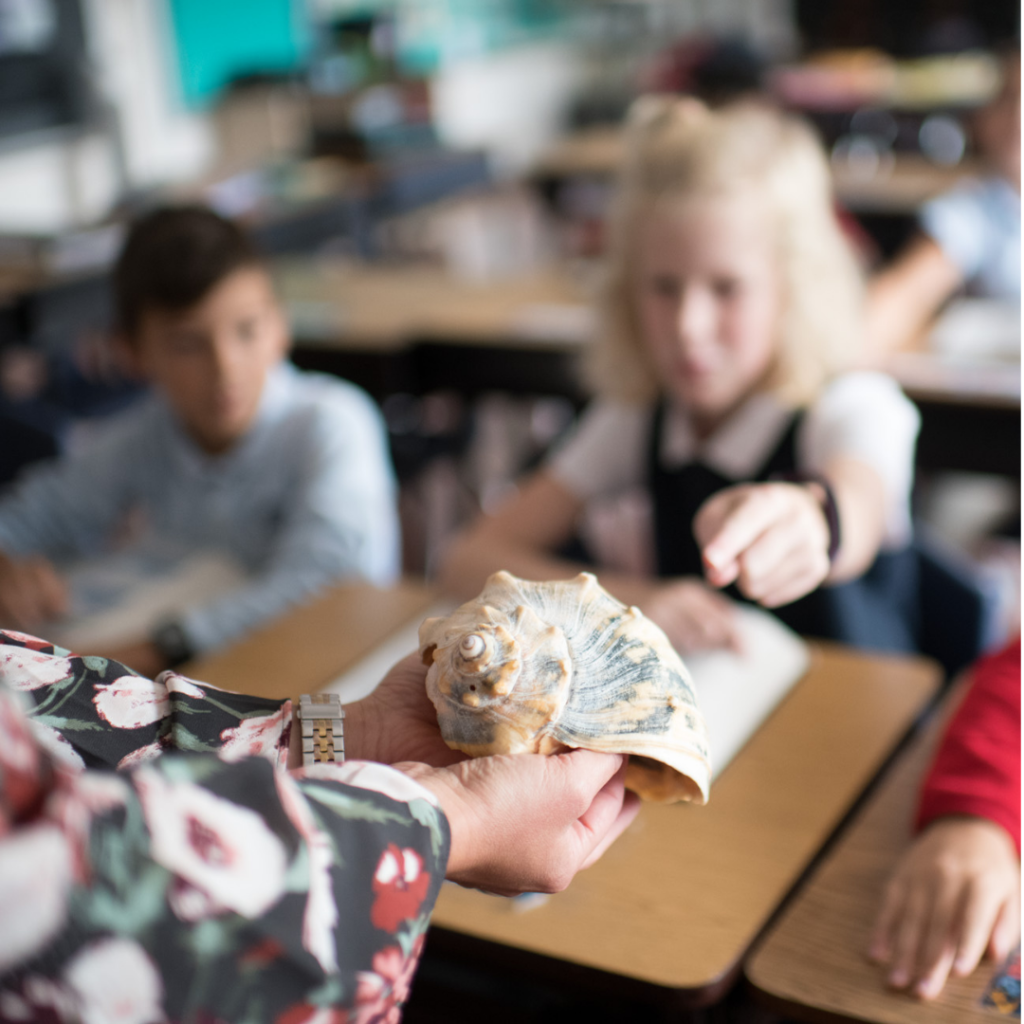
(200,882)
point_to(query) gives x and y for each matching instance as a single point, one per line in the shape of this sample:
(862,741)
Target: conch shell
(541,667)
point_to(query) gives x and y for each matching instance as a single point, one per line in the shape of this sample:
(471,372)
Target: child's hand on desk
(31,591)
(954,895)
(693,616)
(771,540)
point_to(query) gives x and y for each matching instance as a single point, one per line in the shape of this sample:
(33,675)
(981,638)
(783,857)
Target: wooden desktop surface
(344,304)
(314,643)
(897,188)
(678,900)
(811,963)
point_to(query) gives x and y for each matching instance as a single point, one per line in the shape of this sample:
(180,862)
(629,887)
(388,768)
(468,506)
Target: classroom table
(416,329)
(313,643)
(672,908)
(811,966)
(900,187)
(674,905)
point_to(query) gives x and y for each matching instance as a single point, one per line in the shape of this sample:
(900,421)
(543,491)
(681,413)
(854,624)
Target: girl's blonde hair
(677,148)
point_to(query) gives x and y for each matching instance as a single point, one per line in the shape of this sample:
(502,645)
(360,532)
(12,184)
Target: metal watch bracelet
(323,728)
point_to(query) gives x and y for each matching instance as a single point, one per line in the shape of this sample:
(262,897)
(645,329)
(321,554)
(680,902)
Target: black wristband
(828,505)
(172,643)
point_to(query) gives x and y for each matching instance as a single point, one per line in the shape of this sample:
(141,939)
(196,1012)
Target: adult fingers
(604,808)
(584,775)
(627,812)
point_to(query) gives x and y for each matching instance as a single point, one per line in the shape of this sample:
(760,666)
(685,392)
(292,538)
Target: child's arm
(66,507)
(955,894)
(521,537)
(772,539)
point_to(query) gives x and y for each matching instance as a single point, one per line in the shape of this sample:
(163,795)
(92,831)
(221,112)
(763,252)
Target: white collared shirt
(863,416)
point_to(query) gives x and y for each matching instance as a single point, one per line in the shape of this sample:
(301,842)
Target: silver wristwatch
(323,728)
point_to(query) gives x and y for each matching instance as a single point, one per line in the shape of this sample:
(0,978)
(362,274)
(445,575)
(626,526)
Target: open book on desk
(736,692)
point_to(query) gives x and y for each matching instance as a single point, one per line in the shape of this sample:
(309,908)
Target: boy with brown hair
(234,452)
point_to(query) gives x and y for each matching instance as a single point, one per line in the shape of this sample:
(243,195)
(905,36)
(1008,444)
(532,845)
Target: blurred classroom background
(430,179)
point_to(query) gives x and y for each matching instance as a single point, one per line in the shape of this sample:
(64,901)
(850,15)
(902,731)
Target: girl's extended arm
(772,539)
(522,537)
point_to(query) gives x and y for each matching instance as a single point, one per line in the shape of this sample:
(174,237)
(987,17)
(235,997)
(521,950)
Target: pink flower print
(224,850)
(381,992)
(74,803)
(115,982)
(57,746)
(400,885)
(130,702)
(32,642)
(321,913)
(19,758)
(259,736)
(307,1013)
(143,755)
(24,669)
(378,778)
(35,877)
(182,685)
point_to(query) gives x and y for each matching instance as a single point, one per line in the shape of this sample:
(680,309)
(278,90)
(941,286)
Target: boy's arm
(68,506)
(342,523)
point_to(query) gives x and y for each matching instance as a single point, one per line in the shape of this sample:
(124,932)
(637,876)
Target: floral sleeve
(200,883)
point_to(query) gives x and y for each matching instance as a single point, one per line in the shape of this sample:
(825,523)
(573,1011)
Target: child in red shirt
(956,892)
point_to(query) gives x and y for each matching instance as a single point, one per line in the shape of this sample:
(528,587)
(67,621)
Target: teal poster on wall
(217,42)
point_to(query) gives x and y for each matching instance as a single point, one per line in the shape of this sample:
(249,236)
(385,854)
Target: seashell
(542,667)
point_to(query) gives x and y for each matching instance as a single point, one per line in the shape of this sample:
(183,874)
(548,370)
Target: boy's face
(211,360)
(708,299)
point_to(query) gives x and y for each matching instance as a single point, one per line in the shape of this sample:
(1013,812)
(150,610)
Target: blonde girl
(731,309)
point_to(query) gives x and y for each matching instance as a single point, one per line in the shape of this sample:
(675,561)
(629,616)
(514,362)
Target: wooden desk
(811,964)
(677,901)
(343,304)
(417,329)
(314,643)
(901,188)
